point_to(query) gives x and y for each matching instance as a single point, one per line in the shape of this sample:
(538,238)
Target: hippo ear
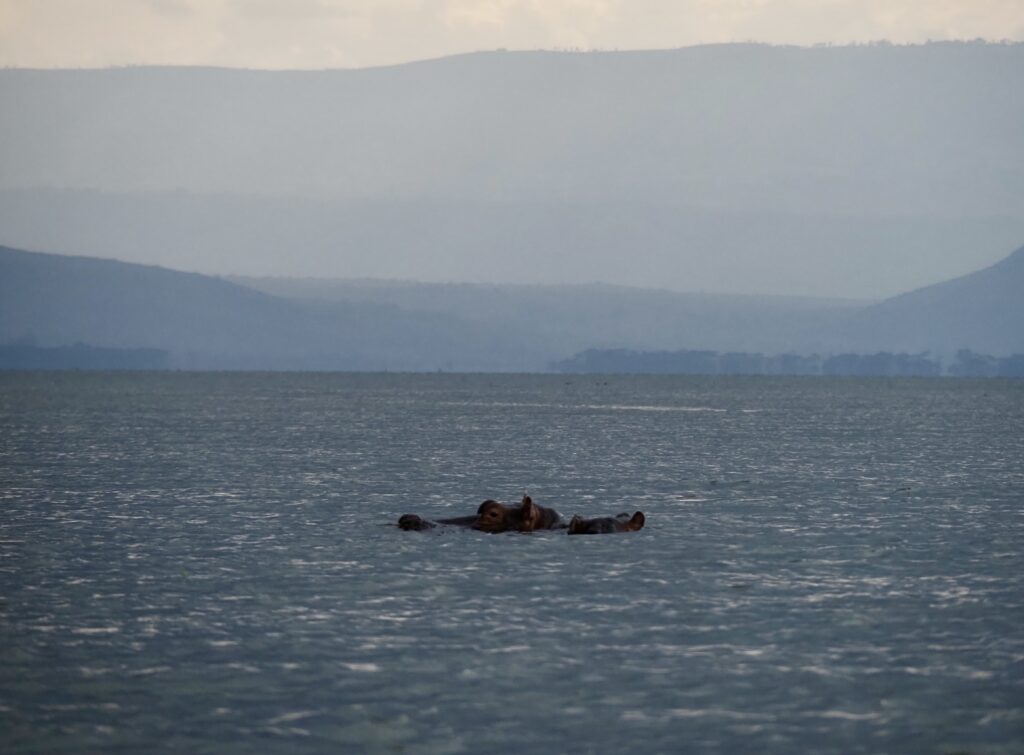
(576,525)
(637,522)
(526,500)
(529,514)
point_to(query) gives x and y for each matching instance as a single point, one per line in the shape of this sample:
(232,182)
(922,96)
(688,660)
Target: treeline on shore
(24,355)
(966,363)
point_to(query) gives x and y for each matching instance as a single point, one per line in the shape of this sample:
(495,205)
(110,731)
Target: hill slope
(559,320)
(982,311)
(55,300)
(59,300)
(203,322)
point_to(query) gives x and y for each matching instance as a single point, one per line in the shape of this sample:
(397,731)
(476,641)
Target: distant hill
(82,306)
(855,172)
(202,322)
(59,300)
(743,126)
(971,326)
(554,321)
(982,311)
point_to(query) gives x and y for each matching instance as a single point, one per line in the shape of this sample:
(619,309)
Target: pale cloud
(356,33)
(291,10)
(528,24)
(486,13)
(559,14)
(176,8)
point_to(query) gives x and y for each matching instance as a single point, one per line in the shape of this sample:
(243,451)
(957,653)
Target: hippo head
(493,517)
(413,522)
(620,523)
(526,517)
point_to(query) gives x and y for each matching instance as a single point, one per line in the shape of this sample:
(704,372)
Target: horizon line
(818,46)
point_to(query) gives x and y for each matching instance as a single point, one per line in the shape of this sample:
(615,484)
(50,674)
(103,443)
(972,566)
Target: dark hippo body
(495,517)
(602,525)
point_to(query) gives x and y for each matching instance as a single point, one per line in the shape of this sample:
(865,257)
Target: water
(207,563)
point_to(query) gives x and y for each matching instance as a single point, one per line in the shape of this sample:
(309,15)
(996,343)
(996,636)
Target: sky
(314,34)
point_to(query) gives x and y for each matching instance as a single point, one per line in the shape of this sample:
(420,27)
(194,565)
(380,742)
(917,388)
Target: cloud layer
(359,33)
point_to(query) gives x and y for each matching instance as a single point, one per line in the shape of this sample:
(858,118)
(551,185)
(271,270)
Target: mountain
(208,323)
(54,308)
(853,172)
(57,300)
(558,320)
(982,311)
(530,242)
(204,322)
(749,126)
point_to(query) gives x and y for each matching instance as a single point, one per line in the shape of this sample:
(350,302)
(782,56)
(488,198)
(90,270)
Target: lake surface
(208,563)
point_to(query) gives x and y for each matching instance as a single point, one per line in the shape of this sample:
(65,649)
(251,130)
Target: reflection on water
(208,563)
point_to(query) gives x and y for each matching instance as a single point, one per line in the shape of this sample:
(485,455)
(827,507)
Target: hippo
(495,517)
(619,523)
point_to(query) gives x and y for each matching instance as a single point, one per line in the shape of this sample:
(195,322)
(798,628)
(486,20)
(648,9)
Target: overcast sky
(360,33)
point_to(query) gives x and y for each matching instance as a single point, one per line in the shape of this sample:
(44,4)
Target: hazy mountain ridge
(983,310)
(640,244)
(549,125)
(859,171)
(203,322)
(557,320)
(58,300)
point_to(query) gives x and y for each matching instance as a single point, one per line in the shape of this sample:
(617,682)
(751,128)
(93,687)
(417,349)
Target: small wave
(510,649)
(717,713)
(847,716)
(297,715)
(150,671)
(367,668)
(591,407)
(650,408)
(95,630)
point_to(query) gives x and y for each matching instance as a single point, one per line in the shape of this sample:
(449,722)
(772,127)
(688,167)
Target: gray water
(208,563)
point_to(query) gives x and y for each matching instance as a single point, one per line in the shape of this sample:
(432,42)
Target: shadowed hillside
(558,320)
(51,301)
(983,311)
(58,300)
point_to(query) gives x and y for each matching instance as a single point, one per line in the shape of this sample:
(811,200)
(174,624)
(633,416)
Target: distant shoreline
(27,357)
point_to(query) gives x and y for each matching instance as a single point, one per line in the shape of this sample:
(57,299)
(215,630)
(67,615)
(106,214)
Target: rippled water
(207,563)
